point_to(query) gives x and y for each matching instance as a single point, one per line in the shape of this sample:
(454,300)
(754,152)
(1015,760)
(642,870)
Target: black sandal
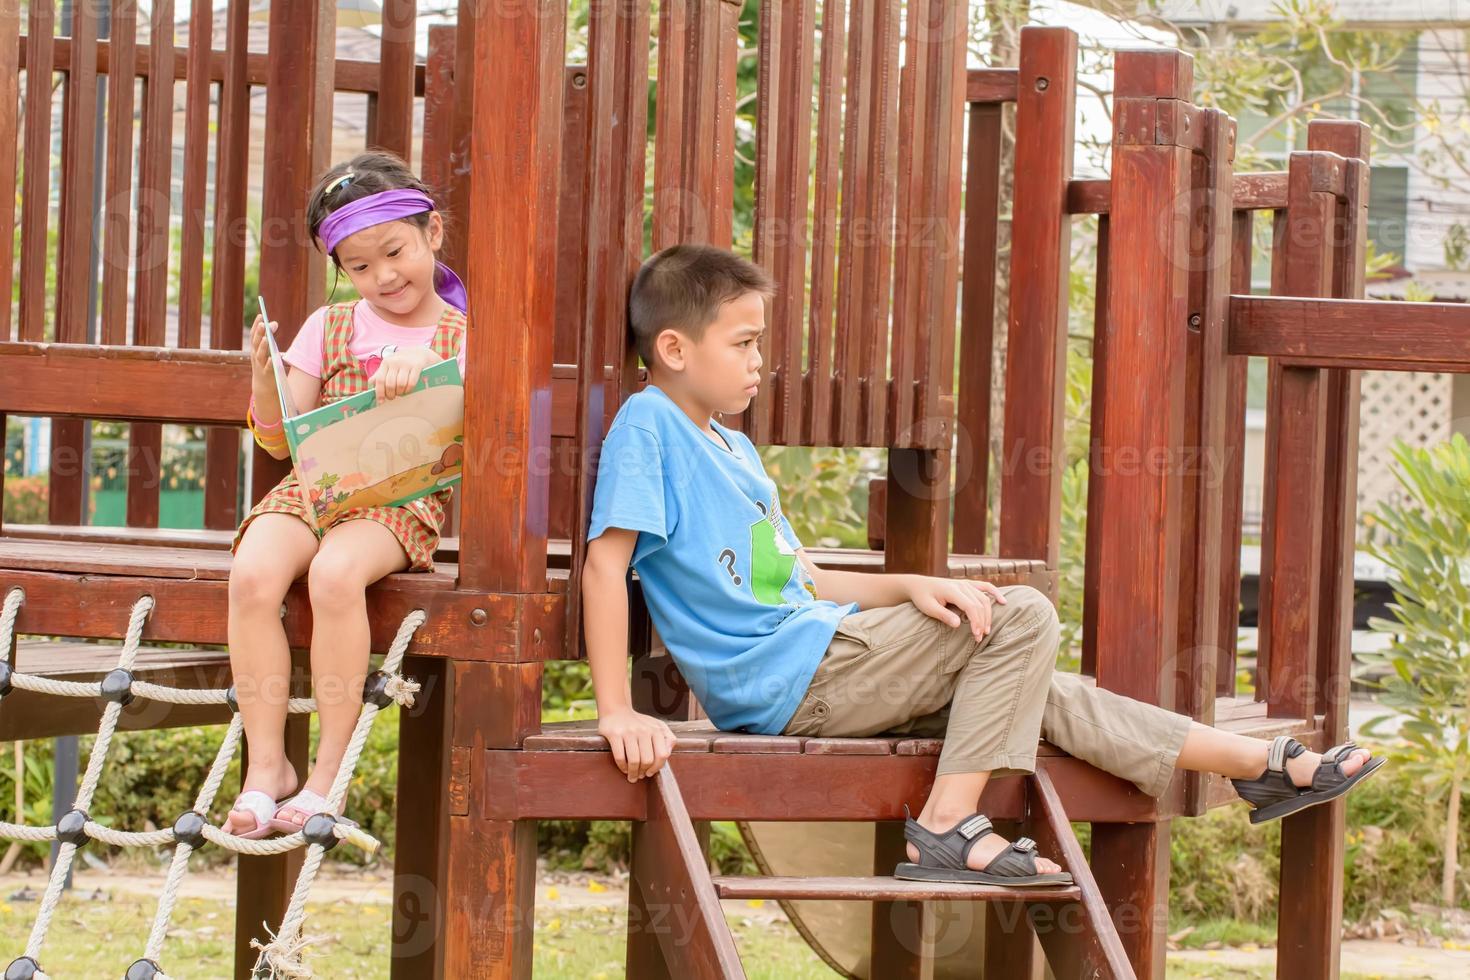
(942,856)
(1272,794)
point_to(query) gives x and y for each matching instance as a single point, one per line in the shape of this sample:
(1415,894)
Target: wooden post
(1138,453)
(1036,352)
(1312,842)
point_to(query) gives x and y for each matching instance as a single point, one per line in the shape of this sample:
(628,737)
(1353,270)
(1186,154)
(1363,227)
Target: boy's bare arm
(933,595)
(640,743)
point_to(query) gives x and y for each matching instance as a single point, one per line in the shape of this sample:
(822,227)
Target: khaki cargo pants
(895,670)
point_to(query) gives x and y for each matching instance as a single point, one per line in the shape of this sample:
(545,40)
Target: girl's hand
(262,375)
(934,596)
(400,370)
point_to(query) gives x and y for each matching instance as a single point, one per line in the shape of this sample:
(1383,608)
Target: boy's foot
(1300,769)
(293,813)
(985,850)
(274,781)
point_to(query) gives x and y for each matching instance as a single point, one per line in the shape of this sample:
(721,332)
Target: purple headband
(374,209)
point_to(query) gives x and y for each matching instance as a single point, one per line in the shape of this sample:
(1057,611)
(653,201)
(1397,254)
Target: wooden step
(882,889)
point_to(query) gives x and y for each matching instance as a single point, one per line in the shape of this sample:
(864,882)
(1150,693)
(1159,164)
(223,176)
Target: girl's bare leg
(274,552)
(354,555)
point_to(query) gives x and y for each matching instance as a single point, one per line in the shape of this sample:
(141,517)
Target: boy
(770,643)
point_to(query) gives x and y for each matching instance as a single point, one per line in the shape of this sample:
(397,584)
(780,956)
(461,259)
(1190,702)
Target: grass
(100,938)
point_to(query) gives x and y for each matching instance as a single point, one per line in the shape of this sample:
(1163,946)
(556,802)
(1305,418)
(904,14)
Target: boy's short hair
(683,287)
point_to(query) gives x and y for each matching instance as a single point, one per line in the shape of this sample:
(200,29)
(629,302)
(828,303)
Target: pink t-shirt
(370,333)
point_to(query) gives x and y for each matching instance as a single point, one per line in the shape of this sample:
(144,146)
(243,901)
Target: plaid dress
(416,524)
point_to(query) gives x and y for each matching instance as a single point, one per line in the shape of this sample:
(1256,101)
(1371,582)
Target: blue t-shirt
(717,560)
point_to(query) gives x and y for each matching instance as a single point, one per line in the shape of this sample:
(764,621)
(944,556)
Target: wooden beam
(671,871)
(468,626)
(348,75)
(1374,335)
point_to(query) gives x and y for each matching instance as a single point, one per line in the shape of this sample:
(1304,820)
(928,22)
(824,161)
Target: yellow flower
(596,886)
(755,903)
(552,894)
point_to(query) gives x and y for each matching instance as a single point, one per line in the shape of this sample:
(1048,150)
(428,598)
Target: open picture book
(358,452)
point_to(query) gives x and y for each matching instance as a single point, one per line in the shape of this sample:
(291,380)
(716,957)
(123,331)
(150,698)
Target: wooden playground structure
(868,121)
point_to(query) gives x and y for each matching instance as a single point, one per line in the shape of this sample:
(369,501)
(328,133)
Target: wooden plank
(668,869)
(1232,473)
(721,786)
(348,74)
(9,145)
(1377,335)
(464,625)
(1202,493)
(36,171)
(782,202)
(394,116)
(151,256)
(489,885)
(857,189)
(817,395)
(883,170)
(419,854)
(1296,464)
(875,889)
(515,90)
(1031,479)
(1095,950)
(117,217)
(991,85)
(1249,192)
(1138,461)
(74,279)
(196,162)
(1340,502)
(977,330)
(1092,565)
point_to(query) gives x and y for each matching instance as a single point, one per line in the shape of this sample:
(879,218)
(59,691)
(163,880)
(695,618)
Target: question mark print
(727,553)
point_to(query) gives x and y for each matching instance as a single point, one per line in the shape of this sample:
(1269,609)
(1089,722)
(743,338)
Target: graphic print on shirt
(772,559)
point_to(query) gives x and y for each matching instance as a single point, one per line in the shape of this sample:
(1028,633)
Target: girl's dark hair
(372,172)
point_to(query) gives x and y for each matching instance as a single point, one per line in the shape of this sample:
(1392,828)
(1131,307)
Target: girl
(378,223)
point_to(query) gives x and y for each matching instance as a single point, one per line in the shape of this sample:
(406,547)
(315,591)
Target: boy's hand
(262,375)
(934,596)
(400,370)
(640,743)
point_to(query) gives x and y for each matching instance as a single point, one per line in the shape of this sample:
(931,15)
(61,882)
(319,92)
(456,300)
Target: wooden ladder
(673,872)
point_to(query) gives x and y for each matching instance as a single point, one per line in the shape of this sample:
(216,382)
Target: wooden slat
(977,330)
(1202,494)
(150,298)
(394,112)
(759,419)
(226,329)
(782,205)
(515,90)
(78,165)
(1031,481)
(195,173)
(1232,471)
(878,888)
(1092,559)
(9,146)
(817,395)
(348,74)
(1375,335)
(117,216)
(1340,504)
(883,170)
(36,175)
(669,869)
(1292,521)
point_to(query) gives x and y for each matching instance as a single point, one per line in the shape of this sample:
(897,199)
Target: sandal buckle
(1024,844)
(974,826)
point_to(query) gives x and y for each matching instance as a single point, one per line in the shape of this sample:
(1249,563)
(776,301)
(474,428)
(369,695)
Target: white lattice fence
(1413,407)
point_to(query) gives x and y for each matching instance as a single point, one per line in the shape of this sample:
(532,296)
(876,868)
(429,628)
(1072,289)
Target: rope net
(282,956)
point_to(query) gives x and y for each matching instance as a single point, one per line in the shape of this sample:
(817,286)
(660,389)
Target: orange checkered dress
(415,524)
